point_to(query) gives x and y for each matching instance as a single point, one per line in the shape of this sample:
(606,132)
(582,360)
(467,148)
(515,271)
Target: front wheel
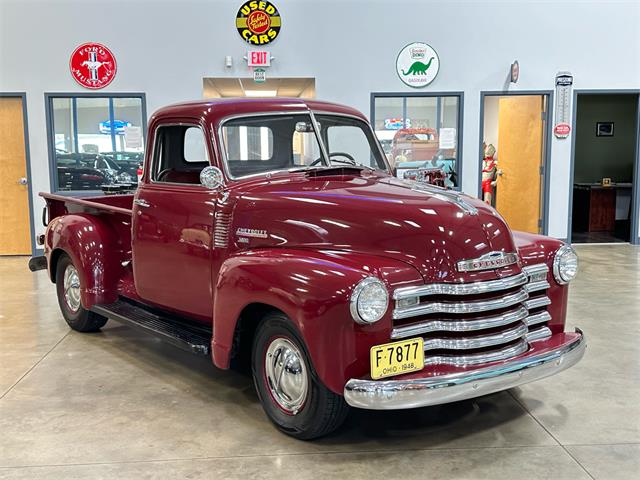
(68,289)
(292,396)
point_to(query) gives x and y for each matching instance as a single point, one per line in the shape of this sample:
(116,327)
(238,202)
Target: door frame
(459,133)
(27,159)
(634,235)
(546,154)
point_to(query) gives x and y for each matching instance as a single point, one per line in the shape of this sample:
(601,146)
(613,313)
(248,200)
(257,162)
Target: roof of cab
(216,109)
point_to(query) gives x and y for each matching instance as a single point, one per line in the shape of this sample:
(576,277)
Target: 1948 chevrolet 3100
(273,233)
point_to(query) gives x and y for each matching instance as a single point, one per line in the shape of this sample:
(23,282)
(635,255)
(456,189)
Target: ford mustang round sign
(417,64)
(93,65)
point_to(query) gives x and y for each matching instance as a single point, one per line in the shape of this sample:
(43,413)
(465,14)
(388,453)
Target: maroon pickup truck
(272,234)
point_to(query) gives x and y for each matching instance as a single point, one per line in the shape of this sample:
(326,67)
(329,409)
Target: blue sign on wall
(118,127)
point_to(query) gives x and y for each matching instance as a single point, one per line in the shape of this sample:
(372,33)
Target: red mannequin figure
(489,173)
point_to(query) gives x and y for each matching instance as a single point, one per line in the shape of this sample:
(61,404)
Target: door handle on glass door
(142,203)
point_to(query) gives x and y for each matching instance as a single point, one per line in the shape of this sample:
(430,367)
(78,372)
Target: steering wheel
(349,158)
(161,176)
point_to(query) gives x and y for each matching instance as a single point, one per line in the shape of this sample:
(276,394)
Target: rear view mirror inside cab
(304,127)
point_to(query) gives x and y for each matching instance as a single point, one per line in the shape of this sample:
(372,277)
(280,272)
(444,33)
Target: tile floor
(118,404)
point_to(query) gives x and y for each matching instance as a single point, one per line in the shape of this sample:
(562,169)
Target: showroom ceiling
(243,87)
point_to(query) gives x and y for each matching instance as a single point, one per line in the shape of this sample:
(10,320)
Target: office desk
(594,206)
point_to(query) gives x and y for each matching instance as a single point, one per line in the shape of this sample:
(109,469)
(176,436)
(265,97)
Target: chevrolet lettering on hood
(488,261)
(251,232)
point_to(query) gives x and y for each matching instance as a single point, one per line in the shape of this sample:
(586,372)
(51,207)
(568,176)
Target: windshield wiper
(306,169)
(324,167)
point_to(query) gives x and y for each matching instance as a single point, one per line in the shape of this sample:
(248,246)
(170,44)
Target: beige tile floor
(119,405)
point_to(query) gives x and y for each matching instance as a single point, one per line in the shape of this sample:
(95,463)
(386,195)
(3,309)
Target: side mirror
(211,177)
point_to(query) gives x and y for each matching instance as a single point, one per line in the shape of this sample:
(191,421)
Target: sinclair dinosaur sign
(417,64)
(93,65)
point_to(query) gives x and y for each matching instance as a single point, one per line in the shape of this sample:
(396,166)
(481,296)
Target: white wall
(491,118)
(164,48)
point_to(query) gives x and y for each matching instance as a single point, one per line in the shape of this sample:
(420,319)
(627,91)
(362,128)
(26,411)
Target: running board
(181,333)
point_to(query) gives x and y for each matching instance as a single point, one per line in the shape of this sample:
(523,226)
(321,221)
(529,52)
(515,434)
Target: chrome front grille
(474,323)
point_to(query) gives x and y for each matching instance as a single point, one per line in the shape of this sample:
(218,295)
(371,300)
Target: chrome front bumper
(422,392)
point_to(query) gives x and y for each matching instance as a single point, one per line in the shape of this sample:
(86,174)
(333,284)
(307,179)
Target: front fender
(94,248)
(533,249)
(313,289)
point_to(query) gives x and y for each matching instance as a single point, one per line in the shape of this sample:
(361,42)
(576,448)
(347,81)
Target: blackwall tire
(301,406)
(68,290)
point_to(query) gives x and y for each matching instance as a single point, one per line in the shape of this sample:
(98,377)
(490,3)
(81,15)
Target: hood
(428,227)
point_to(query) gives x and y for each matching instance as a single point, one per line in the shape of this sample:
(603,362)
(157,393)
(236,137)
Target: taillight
(89,177)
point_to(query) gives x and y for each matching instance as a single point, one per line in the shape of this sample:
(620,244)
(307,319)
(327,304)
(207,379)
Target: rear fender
(94,248)
(313,289)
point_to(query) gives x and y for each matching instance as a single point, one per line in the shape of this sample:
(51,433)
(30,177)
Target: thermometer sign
(564,81)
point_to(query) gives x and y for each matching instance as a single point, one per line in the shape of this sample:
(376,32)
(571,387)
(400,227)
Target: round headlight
(369,301)
(124,177)
(565,265)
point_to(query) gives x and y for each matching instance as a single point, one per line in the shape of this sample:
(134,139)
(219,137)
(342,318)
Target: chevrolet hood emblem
(488,261)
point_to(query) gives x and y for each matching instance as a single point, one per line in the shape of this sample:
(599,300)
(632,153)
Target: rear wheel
(293,397)
(68,289)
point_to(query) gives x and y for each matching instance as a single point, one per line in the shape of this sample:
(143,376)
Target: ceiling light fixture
(260,93)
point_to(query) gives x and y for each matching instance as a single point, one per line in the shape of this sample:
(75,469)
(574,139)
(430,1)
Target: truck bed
(62,204)
(112,210)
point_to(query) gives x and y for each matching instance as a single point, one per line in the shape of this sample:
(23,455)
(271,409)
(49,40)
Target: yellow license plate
(397,358)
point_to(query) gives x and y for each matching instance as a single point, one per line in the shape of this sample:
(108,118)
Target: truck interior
(180,154)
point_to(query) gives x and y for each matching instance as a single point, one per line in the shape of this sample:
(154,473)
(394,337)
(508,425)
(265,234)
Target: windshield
(349,141)
(284,142)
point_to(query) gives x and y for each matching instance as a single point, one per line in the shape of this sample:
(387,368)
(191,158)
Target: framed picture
(604,129)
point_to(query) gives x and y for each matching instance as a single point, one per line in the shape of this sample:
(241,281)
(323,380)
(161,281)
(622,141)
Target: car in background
(77,172)
(89,171)
(128,162)
(423,143)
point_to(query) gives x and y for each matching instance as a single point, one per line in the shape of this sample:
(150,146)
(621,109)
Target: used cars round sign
(417,64)
(258,22)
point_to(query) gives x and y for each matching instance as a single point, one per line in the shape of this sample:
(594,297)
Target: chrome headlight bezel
(364,286)
(564,254)
(124,177)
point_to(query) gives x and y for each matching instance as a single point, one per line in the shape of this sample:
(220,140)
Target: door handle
(23,181)
(142,203)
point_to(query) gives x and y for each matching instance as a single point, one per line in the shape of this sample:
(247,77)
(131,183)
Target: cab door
(173,224)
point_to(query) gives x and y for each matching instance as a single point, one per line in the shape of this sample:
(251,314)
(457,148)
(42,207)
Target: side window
(180,154)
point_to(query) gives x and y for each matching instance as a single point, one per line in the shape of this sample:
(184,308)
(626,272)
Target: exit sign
(259,59)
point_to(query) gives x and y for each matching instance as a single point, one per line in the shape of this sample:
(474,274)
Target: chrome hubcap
(286,375)
(72,288)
